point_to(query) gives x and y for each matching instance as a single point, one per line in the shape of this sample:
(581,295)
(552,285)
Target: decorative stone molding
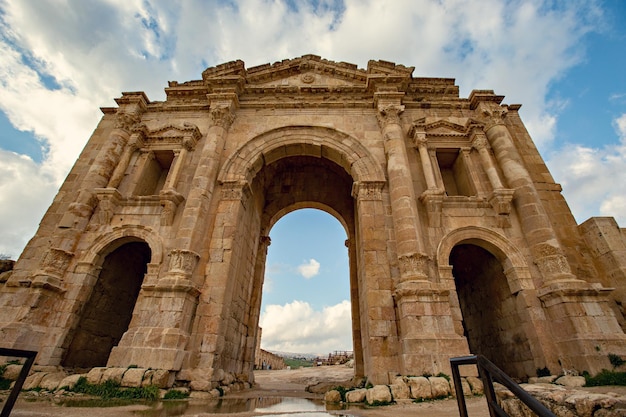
(389,114)
(501,199)
(222,116)
(414,265)
(170,200)
(236,190)
(550,260)
(433,200)
(109,199)
(127,121)
(368,190)
(183,261)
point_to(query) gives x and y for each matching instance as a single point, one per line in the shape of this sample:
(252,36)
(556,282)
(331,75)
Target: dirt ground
(270,387)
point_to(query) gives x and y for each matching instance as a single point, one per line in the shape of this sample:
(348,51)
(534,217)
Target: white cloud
(309,269)
(25,193)
(61,62)
(594,179)
(297,327)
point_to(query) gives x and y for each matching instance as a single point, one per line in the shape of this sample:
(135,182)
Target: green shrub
(605,377)
(175,395)
(112,389)
(616,360)
(543,372)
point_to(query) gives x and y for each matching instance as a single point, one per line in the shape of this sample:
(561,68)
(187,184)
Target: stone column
(500,197)
(253,339)
(135,142)
(538,230)
(420,141)
(409,244)
(379,329)
(212,340)
(580,317)
(222,113)
(433,196)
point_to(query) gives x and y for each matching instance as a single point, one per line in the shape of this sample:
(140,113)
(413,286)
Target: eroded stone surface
(152,255)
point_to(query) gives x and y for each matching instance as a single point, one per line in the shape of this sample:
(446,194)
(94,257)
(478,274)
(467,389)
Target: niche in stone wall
(154,172)
(454,173)
(107,314)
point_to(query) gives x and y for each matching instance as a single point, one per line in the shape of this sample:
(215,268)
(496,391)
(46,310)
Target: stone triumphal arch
(459,240)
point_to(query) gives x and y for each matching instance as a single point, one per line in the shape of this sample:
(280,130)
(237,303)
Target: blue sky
(60,60)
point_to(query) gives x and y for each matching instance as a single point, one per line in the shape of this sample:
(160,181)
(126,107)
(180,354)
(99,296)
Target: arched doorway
(108,312)
(273,174)
(491,321)
(305,306)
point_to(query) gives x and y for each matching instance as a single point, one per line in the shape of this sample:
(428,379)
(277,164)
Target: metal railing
(30,358)
(489,373)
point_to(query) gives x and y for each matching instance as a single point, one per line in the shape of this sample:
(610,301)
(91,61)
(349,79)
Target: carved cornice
(368,190)
(236,190)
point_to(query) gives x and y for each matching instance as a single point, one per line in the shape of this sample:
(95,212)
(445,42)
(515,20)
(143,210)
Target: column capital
(480,142)
(491,114)
(389,114)
(222,116)
(236,190)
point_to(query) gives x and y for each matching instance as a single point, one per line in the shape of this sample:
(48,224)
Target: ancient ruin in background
(153,252)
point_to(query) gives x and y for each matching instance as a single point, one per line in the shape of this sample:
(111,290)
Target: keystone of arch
(317,141)
(513,262)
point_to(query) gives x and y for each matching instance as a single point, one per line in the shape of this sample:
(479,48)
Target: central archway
(273,174)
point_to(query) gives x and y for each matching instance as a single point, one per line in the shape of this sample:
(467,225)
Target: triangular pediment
(308,70)
(453,126)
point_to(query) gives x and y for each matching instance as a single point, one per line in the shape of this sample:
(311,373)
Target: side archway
(494,294)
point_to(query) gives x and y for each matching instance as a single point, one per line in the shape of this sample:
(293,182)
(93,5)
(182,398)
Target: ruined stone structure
(153,252)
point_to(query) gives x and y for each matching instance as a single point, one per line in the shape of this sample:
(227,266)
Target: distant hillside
(295,363)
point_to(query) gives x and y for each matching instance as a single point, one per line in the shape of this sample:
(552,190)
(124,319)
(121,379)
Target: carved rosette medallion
(183,261)
(413,266)
(307,78)
(368,191)
(389,115)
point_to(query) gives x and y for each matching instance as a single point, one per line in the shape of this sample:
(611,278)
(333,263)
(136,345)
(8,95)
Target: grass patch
(112,389)
(175,395)
(605,377)
(295,363)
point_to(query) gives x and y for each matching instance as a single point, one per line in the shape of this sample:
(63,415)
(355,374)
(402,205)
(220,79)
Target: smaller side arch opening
(491,322)
(108,311)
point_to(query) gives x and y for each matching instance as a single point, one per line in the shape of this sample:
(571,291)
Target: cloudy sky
(60,60)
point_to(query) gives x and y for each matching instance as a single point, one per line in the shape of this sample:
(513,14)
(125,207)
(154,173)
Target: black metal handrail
(489,373)
(30,359)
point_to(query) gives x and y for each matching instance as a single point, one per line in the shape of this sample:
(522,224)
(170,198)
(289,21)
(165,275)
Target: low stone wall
(563,401)
(561,397)
(408,388)
(54,379)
